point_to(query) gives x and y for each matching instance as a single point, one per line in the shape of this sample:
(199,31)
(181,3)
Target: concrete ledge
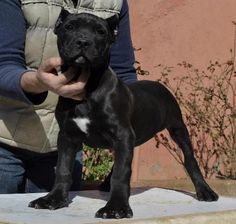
(153,205)
(222,187)
(228,217)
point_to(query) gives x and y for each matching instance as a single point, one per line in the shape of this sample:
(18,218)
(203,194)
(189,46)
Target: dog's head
(84,39)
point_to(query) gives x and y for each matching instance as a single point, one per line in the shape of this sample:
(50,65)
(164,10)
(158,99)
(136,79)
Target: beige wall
(168,32)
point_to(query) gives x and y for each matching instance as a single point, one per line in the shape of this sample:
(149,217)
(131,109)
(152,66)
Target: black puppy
(112,115)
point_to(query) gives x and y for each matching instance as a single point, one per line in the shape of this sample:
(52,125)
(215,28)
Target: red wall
(168,32)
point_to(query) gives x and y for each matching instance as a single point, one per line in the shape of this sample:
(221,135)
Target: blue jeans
(23,171)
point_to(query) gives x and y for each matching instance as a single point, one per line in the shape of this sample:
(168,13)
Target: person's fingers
(66,77)
(79,96)
(47,72)
(72,89)
(50,64)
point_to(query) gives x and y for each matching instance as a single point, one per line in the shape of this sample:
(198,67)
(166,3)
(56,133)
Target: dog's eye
(100,31)
(69,27)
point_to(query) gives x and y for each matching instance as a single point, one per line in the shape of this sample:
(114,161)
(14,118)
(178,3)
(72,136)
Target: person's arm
(122,53)
(12,61)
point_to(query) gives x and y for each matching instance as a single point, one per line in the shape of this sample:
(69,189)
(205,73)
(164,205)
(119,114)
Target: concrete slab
(153,205)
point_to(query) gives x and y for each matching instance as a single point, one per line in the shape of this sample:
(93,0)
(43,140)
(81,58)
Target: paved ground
(153,205)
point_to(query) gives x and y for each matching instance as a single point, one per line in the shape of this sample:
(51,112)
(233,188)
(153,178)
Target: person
(30,82)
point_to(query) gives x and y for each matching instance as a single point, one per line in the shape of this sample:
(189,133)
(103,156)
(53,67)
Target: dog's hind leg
(181,136)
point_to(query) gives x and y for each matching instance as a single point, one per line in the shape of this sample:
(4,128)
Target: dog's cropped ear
(63,14)
(113,23)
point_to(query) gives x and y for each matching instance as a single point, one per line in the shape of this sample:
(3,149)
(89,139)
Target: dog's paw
(49,202)
(110,212)
(207,194)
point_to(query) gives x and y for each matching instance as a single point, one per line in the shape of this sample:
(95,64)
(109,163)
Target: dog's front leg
(118,204)
(58,197)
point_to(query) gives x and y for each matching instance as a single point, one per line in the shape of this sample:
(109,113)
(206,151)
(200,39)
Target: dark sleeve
(12,58)
(122,53)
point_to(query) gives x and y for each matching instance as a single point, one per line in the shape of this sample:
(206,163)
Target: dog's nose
(83,43)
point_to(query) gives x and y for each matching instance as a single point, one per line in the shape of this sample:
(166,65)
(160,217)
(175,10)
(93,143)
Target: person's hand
(63,84)
(46,78)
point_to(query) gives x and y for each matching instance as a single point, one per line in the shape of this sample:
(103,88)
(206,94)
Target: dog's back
(150,96)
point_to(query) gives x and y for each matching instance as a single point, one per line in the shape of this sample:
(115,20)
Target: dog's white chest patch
(82,123)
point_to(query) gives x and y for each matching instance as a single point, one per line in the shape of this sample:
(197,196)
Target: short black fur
(118,116)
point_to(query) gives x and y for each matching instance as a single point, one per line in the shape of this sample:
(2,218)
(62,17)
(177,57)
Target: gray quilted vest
(34,127)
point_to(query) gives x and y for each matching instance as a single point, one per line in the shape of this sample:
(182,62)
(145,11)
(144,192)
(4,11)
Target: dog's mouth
(81,60)
(77,61)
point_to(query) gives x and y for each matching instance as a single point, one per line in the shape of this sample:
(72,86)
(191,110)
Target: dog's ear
(64,13)
(113,23)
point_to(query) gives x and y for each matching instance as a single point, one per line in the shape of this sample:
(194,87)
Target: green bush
(97,163)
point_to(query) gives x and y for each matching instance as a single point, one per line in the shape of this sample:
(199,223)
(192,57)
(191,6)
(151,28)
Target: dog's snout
(83,43)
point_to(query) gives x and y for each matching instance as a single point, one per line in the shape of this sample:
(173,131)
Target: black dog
(112,115)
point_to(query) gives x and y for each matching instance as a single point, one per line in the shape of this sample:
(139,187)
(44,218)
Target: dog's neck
(96,77)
